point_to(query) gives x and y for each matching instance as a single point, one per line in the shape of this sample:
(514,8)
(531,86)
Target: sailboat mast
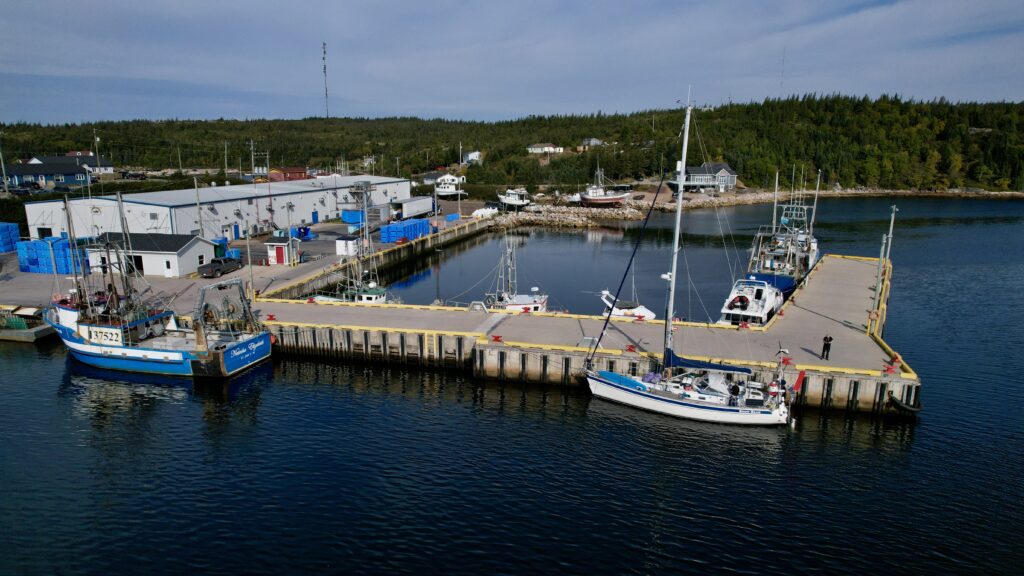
(814,211)
(675,240)
(775,201)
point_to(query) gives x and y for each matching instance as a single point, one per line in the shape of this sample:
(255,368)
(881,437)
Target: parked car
(219,266)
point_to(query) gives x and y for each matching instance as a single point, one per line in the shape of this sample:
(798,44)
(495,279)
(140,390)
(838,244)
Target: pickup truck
(219,266)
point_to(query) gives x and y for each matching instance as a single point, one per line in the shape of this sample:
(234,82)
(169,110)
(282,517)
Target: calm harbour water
(302,466)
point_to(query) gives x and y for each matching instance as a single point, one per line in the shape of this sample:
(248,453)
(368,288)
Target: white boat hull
(637,397)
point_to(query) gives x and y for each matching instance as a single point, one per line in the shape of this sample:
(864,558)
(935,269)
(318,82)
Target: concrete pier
(552,348)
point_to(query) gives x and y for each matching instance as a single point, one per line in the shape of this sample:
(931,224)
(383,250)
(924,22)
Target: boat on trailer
(514,198)
(602,192)
(689,388)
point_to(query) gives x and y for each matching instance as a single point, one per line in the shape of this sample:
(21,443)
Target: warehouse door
(280,255)
(237,235)
(316,216)
(137,265)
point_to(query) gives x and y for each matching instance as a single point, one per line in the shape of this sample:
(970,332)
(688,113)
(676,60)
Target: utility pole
(199,208)
(398,173)
(225,159)
(180,169)
(248,258)
(2,166)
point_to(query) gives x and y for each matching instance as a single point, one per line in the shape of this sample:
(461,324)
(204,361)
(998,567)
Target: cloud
(489,60)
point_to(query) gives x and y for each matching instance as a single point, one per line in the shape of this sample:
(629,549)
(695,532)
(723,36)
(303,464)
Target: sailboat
(784,253)
(694,389)
(626,308)
(599,193)
(506,294)
(116,329)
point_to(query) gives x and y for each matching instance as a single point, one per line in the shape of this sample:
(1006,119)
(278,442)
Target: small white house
(450,179)
(544,148)
(283,251)
(167,255)
(473,157)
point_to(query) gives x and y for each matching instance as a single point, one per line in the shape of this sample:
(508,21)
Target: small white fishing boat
(514,198)
(752,302)
(448,189)
(506,294)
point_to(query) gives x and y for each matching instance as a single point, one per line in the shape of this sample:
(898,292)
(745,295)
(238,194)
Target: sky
(74,61)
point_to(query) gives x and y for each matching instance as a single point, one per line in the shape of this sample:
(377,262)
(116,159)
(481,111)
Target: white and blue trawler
(783,254)
(107,331)
(688,388)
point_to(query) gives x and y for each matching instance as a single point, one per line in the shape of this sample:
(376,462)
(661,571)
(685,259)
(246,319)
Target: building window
(249,201)
(167,264)
(80,177)
(58,177)
(152,216)
(29,178)
(202,258)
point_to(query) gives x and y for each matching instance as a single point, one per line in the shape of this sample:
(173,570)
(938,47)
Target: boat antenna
(671,276)
(625,274)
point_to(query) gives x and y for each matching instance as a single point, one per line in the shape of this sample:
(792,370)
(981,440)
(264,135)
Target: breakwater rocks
(565,216)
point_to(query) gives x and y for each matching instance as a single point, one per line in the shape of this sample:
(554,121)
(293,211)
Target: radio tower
(327,108)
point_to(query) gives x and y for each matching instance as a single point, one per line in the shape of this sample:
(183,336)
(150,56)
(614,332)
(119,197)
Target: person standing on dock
(826,346)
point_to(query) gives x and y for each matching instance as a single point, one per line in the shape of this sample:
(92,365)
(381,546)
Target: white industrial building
(229,211)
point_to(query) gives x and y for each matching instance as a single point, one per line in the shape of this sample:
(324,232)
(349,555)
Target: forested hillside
(887,143)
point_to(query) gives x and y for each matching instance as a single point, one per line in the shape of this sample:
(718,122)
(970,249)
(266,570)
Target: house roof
(77,160)
(45,168)
(432,175)
(542,145)
(710,168)
(141,242)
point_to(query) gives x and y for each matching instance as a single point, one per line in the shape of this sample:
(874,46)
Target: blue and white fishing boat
(113,328)
(784,253)
(688,388)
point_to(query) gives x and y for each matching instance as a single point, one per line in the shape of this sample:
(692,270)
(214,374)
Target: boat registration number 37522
(105,335)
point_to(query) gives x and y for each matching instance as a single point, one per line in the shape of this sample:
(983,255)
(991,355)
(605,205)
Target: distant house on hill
(589,143)
(47,175)
(544,148)
(472,157)
(93,164)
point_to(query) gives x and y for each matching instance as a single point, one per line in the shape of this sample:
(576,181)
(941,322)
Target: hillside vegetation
(886,143)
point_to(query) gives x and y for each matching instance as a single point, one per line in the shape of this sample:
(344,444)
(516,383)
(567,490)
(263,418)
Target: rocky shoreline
(561,216)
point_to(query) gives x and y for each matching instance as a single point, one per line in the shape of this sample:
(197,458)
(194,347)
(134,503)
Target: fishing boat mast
(671,276)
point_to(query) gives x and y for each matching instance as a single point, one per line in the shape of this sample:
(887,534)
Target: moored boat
(784,253)
(689,388)
(506,295)
(751,302)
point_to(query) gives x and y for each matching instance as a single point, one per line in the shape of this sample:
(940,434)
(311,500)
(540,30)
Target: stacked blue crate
(8,236)
(233,253)
(51,255)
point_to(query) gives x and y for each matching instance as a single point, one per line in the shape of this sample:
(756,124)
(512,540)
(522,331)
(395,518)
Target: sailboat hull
(631,392)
